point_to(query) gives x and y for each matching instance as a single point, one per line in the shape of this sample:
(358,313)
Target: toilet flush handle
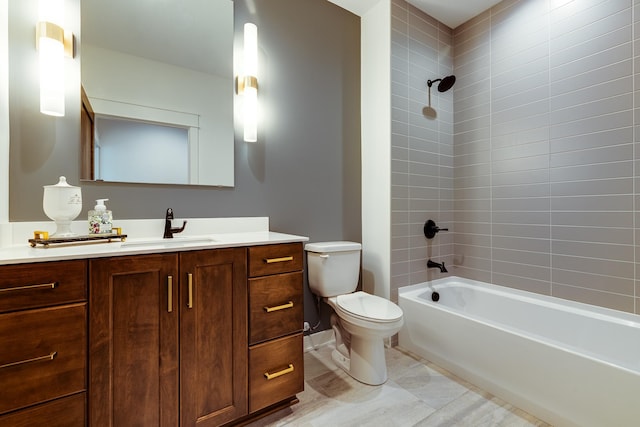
(324,256)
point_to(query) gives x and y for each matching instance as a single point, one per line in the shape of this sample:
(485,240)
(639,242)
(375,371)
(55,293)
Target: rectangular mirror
(153,71)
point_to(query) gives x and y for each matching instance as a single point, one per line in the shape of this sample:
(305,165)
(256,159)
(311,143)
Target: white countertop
(255,233)
(19,254)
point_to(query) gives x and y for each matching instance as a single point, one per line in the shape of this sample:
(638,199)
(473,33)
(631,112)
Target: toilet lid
(370,307)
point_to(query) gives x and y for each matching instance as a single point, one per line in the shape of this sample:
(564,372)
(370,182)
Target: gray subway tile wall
(422,162)
(533,160)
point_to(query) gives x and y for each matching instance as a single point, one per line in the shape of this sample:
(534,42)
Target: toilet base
(359,347)
(366,363)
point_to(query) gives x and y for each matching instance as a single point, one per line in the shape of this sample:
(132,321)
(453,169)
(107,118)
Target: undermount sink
(175,241)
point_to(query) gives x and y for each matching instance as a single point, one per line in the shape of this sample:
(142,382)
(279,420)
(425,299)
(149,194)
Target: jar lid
(62,182)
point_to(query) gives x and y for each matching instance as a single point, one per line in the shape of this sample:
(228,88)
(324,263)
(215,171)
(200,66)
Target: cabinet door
(213,336)
(133,331)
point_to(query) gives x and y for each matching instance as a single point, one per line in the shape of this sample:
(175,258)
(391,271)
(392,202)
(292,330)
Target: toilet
(360,321)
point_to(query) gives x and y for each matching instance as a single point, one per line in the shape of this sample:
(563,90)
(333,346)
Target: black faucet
(431,264)
(168,230)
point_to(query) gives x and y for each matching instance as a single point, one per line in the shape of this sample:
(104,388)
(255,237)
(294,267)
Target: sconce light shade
(250,49)
(250,83)
(51,75)
(250,113)
(52,43)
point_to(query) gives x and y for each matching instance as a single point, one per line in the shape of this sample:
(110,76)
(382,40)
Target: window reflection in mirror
(168,62)
(133,151)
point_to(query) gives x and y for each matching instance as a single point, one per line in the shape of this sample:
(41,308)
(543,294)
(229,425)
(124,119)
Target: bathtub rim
(631,320)
(604,313)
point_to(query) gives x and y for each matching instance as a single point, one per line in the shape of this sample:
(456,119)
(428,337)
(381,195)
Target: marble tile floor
(417,393)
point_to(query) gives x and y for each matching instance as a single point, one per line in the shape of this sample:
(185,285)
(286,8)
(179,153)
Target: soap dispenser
(100,219)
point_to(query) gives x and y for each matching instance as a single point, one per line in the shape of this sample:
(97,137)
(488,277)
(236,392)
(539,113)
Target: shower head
(445,83)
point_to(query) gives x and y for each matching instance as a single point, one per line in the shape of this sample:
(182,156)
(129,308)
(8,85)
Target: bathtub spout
(432,264)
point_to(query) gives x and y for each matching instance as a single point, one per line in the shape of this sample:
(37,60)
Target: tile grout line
(549,146)
(633,165)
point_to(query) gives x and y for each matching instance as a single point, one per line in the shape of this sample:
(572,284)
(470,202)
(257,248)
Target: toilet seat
(372,308)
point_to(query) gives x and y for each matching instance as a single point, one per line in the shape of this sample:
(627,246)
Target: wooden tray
(77,239)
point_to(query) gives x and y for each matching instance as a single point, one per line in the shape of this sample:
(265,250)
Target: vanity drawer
(275,259)
(42,356)
(275,306)
(65,412)
(276,371)
(25,286)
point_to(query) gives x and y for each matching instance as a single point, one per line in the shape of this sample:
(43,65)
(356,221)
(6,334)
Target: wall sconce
(53,43)
(247,84)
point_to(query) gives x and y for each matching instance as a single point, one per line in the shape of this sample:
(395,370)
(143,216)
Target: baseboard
(314,341)
(317,340)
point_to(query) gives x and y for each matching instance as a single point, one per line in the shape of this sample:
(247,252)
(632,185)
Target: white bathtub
(567,363)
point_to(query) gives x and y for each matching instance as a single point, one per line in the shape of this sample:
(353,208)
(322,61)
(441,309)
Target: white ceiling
(450,12)
(453,12)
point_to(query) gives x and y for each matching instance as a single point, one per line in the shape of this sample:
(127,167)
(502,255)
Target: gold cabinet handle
(190,290)
(285,371)
(274,260)
(51,285)
(279,307)
(49,356)
(169,294)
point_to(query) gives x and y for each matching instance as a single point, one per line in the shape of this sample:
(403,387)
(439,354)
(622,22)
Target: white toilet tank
(333,267)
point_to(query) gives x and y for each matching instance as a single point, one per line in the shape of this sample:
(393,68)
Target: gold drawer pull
(169,294)
(274,260)
(35,359)
(285,371)
(279,307)
(51,285)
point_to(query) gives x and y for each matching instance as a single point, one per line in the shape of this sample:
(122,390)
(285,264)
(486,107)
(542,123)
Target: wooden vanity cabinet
(195,338)
(168,339)
(276,369)
(43,342)
(213,336)
(133,341)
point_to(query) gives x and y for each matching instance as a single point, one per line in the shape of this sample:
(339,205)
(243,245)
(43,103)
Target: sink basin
(174,242)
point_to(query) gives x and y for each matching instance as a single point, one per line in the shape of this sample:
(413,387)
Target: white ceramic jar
(62,203)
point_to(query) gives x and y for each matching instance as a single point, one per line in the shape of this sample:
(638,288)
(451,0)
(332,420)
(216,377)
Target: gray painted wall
(304,173)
